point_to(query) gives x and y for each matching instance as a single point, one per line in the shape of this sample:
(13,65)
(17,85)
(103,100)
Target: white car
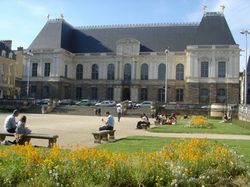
(106,103)
(144,104)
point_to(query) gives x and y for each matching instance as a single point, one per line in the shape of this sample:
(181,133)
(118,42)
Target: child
(21,131)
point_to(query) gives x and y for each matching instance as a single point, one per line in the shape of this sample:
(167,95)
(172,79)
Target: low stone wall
(244,112)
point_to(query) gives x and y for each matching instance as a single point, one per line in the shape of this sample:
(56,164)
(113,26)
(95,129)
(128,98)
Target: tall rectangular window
(66,71)
(78,93)
(33,89)
(204,69)
(47,70)
(110,94)
(94,93)
(34,70)
(144,94)
(161,95)
(46,91)
(222,69)
(179,94)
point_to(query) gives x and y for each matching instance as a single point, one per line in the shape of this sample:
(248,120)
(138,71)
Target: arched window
(161,95)
(144,72)
(162,72)
(111,72)
(79,72)
(179,72)
(221,95)
(94,74)
(3,53)
(204,95)
(127,72)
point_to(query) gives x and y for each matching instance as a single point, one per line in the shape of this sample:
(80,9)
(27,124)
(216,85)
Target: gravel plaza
(77,130)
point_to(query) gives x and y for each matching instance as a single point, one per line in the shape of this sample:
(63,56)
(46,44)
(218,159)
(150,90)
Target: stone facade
(139,73)
(7,71)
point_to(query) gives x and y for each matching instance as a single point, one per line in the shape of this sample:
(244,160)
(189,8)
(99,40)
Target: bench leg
(97,138)
(112,135)
(51,142)
(2,137)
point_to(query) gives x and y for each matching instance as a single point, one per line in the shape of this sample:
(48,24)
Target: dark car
(84,102)
(66,102)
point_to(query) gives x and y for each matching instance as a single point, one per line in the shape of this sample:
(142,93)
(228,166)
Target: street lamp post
(166,76)
(28,56)
(245,32)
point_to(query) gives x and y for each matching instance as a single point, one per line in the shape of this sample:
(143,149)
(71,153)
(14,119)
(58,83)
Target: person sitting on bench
(21,131)
(10,122)
(109,123)
(143,121)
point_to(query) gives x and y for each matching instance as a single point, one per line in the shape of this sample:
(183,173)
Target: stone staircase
(90,111)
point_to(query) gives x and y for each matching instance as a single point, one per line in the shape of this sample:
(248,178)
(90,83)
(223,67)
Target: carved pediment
(221,59)
(128,47)
(204,59)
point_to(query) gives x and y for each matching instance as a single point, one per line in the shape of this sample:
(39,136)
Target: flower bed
(199,122)
(186,163)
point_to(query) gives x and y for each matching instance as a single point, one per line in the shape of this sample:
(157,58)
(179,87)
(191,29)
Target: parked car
(106,103)
(144,104)
(66,102)
(43,101)
(84,102)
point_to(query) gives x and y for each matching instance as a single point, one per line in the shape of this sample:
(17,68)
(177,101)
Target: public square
(77,130)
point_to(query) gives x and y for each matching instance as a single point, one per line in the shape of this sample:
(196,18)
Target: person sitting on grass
(109,123)
(226,118)
(172,120)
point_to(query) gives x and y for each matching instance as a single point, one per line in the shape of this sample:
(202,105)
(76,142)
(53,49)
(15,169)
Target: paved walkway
(75,129)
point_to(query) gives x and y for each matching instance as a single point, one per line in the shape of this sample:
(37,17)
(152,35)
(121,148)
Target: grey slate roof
(212,30)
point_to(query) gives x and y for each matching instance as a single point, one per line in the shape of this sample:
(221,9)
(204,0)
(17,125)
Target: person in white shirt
(144,120)
(10,122)
(119,112)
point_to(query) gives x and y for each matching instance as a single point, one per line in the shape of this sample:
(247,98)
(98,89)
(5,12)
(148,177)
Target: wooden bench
(52,138)
(103,135)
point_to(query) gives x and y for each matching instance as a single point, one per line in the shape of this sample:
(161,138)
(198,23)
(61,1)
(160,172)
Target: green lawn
(148,144)
(237,127)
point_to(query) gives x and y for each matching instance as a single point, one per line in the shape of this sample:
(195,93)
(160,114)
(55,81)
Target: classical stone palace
(119,62)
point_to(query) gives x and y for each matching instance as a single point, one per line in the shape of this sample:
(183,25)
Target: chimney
(7,43)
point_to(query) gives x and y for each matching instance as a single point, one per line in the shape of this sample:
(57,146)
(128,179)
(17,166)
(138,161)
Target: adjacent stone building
(119,62)
(7,70)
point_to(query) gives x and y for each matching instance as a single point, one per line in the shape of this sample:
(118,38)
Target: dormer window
(10,55)
(3,53)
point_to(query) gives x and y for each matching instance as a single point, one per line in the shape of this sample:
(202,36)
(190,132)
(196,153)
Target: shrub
(194,162)
(199,122)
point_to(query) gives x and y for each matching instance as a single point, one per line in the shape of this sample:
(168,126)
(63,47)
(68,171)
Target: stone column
(117,93)
(134,94)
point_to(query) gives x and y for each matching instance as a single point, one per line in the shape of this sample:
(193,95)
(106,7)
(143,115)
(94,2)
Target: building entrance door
(126,94)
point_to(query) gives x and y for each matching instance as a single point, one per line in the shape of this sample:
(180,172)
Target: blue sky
(21,20)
